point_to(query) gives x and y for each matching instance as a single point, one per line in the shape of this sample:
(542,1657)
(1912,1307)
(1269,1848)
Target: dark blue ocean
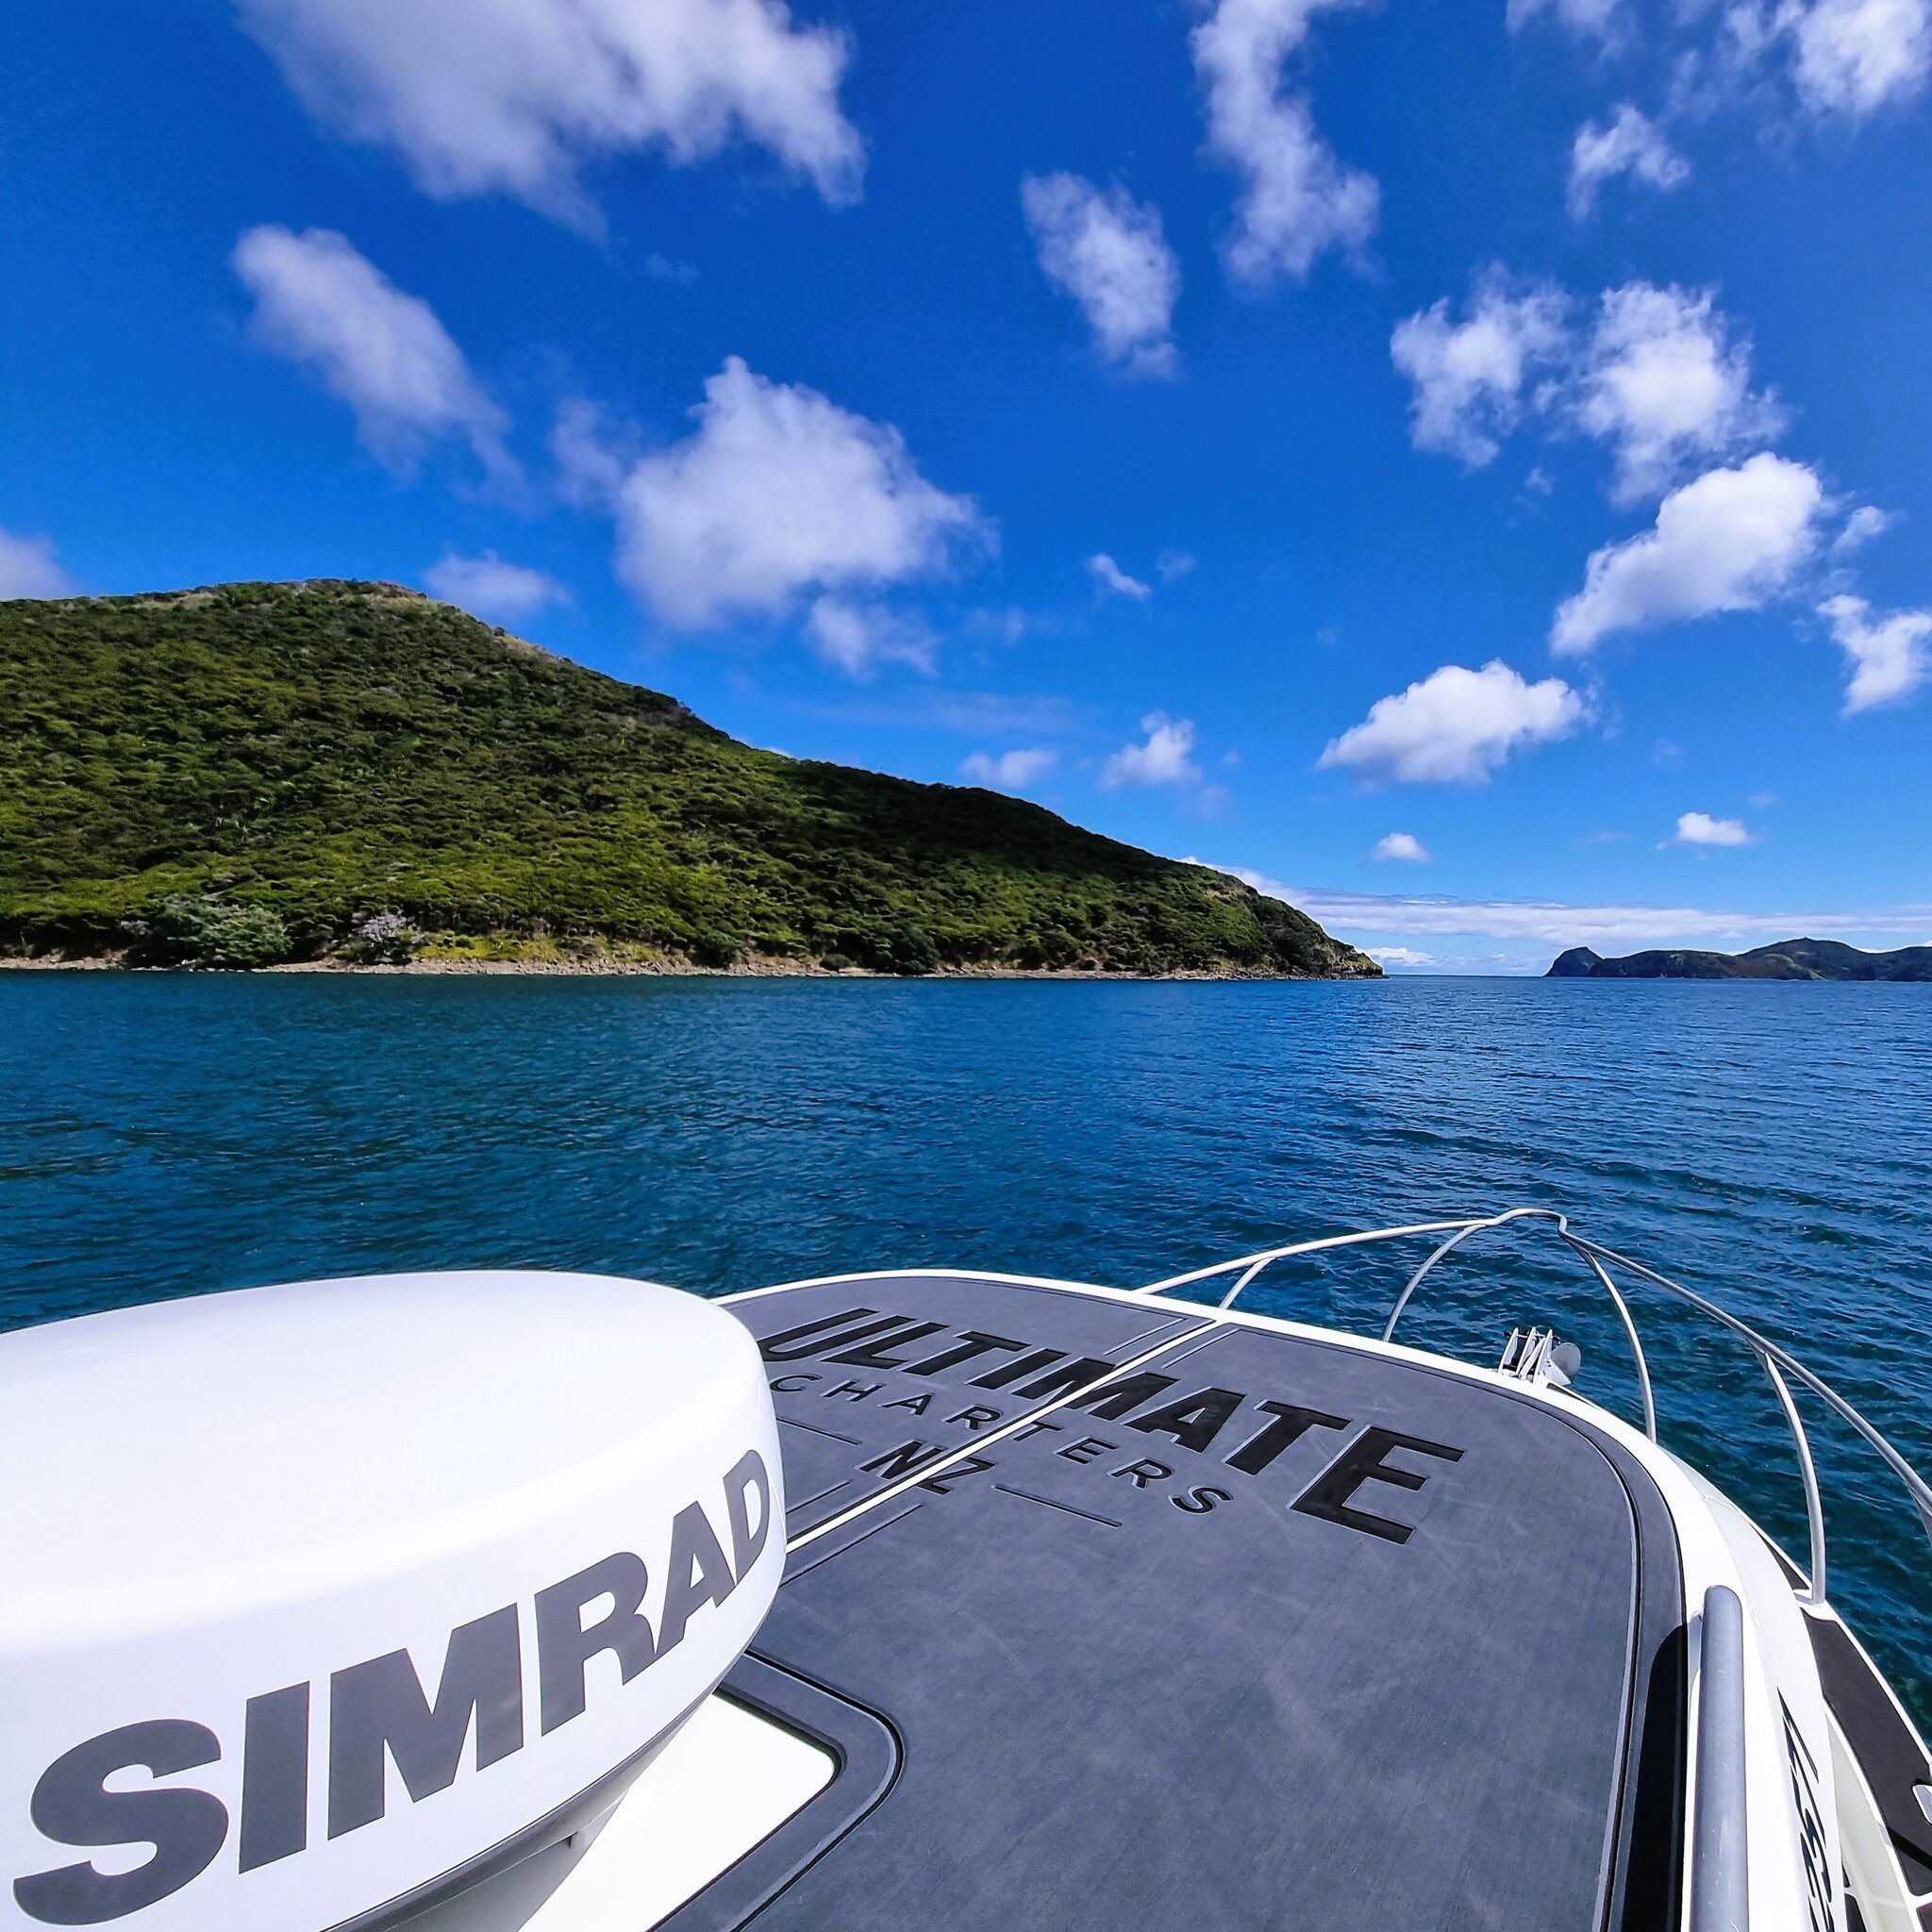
(1771,1146)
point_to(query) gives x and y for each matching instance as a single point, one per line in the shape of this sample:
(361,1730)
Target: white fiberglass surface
(727,1781)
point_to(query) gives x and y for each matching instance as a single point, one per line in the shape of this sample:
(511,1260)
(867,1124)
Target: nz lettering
(1244,1434)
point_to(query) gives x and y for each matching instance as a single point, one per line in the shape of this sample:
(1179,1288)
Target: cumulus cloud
(1011,770)
(1731,540)
(1839,59)
(320,303)
(1297,199)
(1666,379)
(1628,143)
(1660,373)
(1113,580)
(1399,956)
(779,492)
(1456,725)
(1853,57)
(1404,846)
(860,637)
(515,97)
(1864,523)
(591,457)
(29,568)
(1599,19)
(1468,377)
(1887,655)
(1700,828)
(1108,253)
(1164,755)
(490,587)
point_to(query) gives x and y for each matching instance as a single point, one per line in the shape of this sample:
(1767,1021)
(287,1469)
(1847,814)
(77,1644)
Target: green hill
(260,770)
(1784,959)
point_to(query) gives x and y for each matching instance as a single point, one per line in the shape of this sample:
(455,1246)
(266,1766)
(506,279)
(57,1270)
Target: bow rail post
(1720,1850)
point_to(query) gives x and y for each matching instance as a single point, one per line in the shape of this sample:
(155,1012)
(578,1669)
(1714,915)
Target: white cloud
(384,353)
(1731,540)
(1855,57)
(490,587)
(1628,143)
(1172,565)
(591,463)
(1108,253)
(1399,956)
(1112,579)
(1456,725)
(1402,845)
(1589,19)
(1298,199)
(1469,375)
(1889,659)
(1700,828)
(29,568)
(514,96)
(778,493)
(1865,523)
(1011,770)
(1665,380)
(1660,373)
(1163,757)
(859,638)
(1609,928)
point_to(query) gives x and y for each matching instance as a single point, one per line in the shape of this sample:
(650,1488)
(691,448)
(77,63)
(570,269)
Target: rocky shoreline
(635,969)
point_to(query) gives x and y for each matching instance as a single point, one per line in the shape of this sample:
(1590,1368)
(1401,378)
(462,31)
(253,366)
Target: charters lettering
(1204,1421)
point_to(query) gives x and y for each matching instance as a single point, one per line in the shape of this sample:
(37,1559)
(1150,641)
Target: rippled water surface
(1771,1146)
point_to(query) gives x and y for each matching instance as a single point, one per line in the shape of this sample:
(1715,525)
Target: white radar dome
(322,1603)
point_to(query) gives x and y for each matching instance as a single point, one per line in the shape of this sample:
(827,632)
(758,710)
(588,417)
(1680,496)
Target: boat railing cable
(1814,1508)
(1778,1364)
(1252,1265)
(1629,1321)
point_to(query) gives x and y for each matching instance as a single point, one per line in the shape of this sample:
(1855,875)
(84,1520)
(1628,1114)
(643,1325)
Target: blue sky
(1466,465)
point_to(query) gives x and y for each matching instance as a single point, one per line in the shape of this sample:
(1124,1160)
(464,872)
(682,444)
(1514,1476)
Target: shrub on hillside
(384,939)
(910,949)
(198,929)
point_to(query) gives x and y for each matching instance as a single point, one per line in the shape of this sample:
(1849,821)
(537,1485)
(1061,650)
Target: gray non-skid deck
(1266,1632)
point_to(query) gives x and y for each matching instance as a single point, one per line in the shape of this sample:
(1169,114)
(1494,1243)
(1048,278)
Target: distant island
(1786,960)
(340,772)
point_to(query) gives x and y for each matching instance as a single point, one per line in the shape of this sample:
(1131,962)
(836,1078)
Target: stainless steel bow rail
(1780,1366)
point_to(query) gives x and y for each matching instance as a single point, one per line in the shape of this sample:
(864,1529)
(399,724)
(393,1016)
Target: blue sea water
(1770,1145)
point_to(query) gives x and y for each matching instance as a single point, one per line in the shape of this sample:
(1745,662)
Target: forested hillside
(259,771)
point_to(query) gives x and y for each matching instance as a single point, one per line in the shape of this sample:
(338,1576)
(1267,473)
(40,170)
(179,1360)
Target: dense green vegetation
(352,770)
